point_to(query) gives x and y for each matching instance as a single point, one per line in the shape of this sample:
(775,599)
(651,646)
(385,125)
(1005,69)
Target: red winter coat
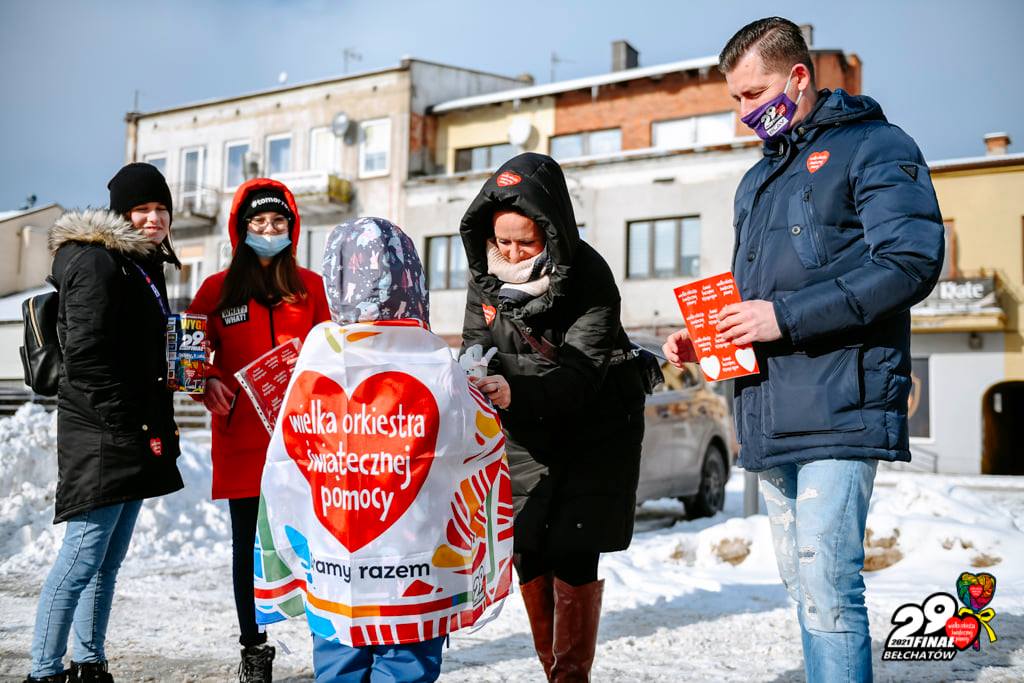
(237,337)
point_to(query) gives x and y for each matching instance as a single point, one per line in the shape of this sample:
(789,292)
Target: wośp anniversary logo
(940,627)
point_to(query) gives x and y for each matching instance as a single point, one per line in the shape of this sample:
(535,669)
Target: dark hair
(779,42)
(247,278)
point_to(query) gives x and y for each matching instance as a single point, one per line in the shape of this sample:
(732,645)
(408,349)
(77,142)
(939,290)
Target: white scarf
(520,281)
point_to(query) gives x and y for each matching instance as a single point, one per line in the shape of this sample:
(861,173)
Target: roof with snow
(18,213)
(964,163)
(401,66)
(575,84)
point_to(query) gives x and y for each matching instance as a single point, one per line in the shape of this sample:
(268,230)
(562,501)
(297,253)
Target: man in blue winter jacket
(838,234)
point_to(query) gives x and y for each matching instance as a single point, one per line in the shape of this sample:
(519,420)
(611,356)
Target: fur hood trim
(101,227)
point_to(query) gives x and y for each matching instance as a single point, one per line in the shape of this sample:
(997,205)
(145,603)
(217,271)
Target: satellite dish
(341,124)
(282,77)
(519,132)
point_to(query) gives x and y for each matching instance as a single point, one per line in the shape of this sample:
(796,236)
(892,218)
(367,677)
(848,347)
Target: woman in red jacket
(262,300)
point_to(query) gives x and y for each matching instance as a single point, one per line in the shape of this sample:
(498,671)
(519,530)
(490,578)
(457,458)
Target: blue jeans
(818,512)
(79,590)
(412,663)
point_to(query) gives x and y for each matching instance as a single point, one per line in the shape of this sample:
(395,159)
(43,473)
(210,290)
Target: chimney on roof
(808,32)
(996,144)
(624,56)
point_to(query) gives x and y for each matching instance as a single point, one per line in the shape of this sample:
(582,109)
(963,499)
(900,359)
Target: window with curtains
(446,263)
(665,247)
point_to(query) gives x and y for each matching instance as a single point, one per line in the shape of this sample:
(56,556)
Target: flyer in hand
(700,303)
(186,353)
(266,379)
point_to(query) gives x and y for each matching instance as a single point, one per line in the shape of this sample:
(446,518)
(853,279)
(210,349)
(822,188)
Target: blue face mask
(267,246)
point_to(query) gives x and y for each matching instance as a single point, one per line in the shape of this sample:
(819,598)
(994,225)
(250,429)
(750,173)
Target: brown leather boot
(577,614)
(539,600)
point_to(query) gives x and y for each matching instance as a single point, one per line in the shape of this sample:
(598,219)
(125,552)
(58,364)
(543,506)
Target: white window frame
(651,255)
(584,136)
(197,192)
(924,440)
(177,290)
(708,117)
(227,158)
(363,126)
(695,131)
(266,153)
(332,162)
(453,243)
(148,158)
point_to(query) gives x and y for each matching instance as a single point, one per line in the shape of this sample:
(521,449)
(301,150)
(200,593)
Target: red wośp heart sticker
(365,456)
(507,179)
(963,631)
(817,160)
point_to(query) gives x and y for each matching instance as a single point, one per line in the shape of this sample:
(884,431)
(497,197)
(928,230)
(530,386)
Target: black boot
(55,678)
(257,664)
(89,672)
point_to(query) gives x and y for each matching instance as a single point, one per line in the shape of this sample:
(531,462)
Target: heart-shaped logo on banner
(963,631)
(976,590)
(365,456)
(711,366)
(746,358)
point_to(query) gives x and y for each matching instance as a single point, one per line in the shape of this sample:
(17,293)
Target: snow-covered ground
(689,601)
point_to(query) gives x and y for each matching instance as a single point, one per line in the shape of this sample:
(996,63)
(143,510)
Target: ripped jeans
(818,512)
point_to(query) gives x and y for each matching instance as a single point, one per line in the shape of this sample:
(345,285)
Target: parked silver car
(689,443)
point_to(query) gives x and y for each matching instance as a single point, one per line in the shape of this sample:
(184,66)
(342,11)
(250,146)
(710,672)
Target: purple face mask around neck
(774,117)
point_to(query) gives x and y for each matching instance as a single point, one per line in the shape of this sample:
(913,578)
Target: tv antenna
(555,61)
(350,54)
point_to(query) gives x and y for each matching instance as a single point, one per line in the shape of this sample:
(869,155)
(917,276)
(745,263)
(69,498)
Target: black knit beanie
(138,183)
(267,199)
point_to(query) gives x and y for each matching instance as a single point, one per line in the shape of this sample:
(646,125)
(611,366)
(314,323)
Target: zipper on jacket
(273,337)
(811,225)
(35,323)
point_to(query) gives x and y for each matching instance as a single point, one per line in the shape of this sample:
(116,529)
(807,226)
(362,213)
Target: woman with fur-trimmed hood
(117,441)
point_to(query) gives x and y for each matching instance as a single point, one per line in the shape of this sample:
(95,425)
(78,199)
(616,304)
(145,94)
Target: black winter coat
(116,436)
(575,423)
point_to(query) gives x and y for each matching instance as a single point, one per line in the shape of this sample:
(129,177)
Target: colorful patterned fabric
(372,272)
(387,508)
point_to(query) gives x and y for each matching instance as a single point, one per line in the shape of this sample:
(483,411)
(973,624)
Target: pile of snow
(184,527)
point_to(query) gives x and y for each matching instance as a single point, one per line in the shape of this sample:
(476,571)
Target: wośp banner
(386,509)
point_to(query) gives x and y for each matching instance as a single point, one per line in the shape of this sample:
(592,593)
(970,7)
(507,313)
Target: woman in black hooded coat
(570,393)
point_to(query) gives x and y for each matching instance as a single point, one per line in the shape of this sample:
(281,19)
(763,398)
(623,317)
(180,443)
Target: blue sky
(947,71)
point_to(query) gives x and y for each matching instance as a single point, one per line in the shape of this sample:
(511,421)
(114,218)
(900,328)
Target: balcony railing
(195,209)
(318,192)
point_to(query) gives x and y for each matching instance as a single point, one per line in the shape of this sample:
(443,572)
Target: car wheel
(711,496)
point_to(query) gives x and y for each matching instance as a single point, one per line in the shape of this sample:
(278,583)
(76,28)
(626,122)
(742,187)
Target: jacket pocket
(804,231)
(812,394)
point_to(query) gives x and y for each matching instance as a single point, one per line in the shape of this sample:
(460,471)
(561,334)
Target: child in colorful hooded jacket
(372,272)
(262,300)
